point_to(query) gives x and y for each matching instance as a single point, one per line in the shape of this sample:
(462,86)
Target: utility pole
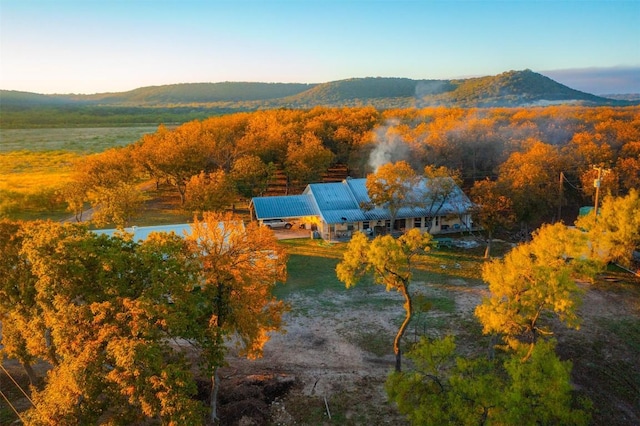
(597,183)
(560,197)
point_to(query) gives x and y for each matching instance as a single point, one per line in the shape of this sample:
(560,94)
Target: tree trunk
(487,251)
(408,309)
(30,373)
(215,387)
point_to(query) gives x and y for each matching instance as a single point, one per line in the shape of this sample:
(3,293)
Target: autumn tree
(492,210)
(221,135)
(392,187)
(175,155)
(530,178)
(608,182)
(628,166)
(390,261)
(440,185)
(615,233)
(308,159)
(17,298)
(209,192)
(104,321)
(251,175)
(74,193)
(105,169)
(117,204)
(532,282)
(105,180)
(239,268)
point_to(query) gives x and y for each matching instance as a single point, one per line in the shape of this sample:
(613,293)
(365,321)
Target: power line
(11,405)
(570,184)
(17,385)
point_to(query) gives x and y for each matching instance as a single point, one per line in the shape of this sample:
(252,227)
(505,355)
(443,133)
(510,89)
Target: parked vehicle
(277,224)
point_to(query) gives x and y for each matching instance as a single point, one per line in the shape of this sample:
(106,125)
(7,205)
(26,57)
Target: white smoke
(390,146)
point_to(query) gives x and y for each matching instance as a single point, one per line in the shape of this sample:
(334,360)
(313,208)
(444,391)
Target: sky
(95,46)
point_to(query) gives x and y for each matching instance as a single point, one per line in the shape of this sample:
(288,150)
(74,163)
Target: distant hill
(198,100)
(198,93)
(513,88)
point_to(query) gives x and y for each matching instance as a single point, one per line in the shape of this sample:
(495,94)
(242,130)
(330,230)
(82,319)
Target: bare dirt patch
(338,346)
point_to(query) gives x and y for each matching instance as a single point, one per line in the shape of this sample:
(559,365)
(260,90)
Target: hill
(197,100)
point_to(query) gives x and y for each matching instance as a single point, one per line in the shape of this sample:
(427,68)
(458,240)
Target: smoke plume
(389,148)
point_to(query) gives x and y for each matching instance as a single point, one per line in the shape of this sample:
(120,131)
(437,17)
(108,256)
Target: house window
(437,220)
(365,225)
(417,222)
(387,224)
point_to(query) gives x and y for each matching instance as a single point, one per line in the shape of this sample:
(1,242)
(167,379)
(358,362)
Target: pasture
(35,163)
(76,140)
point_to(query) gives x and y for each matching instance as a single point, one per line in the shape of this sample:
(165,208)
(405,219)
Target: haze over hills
(198,100)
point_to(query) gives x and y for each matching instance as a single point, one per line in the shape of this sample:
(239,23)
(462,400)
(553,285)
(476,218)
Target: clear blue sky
(89,46)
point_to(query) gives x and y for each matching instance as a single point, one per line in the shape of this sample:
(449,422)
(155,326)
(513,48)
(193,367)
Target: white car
(277,224)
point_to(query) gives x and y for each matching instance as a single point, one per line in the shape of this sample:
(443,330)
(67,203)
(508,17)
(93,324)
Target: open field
(35,163)
(78,140)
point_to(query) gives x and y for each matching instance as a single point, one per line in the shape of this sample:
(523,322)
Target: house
(338,209)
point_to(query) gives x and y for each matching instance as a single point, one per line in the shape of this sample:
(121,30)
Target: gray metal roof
(341,202)
(284,206)
(359,190)
(332,196)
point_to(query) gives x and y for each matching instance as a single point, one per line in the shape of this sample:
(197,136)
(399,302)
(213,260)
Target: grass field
(78,140)
(35,163)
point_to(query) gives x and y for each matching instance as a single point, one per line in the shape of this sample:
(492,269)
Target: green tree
(446,388)
(539,390)
(390,261)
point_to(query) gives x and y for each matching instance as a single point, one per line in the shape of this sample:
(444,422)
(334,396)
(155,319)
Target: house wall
(440,224)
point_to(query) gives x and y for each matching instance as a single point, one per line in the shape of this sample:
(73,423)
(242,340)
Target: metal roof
(340,202)
(141,233)
(332,196)
(284,206)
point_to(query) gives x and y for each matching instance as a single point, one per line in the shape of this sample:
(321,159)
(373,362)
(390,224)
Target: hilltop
(188,101)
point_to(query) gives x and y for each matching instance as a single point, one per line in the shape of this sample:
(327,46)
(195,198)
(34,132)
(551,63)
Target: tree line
(539,160)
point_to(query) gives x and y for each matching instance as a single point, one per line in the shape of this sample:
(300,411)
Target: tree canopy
(112,316)
(390,261)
